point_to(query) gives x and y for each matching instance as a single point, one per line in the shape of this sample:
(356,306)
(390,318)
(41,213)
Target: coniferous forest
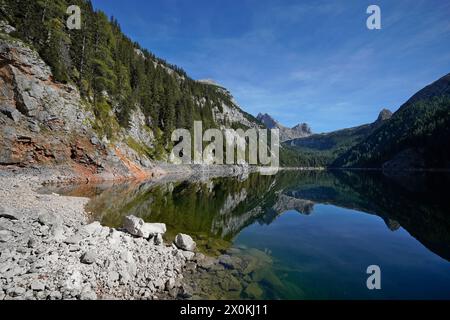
(112,72)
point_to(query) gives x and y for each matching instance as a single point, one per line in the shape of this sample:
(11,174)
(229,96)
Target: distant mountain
(417,135)
(323,149)
(299,131)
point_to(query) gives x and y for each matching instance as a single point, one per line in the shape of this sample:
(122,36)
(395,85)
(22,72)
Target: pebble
(188,255)
(37,286)
(75,239)
(158,240)
(88,257)
(48,219)
(17,291)
(113,276)
(5,235)
(31,243)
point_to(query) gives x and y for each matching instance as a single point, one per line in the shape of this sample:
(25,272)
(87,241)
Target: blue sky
(300,61)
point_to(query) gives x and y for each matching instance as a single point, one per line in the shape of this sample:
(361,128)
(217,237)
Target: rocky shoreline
(50,251)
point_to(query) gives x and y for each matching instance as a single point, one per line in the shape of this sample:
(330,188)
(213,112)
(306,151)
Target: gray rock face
(32,94)
(301,130)
(31,102)
(384,115)
(185,242)
(137,227)
(286,203)
(6,28)
(138,128)
(12,113)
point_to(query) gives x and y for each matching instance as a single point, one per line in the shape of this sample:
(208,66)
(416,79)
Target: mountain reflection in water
(235,216)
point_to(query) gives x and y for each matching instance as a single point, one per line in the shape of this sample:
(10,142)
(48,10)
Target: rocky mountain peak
(303,127)
(384,115)
(268,121)
(299,131)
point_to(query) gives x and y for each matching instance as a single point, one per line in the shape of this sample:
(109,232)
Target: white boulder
(185,242)
(137,227)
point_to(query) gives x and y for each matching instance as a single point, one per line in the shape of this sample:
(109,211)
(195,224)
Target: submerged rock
(254,291)
(189,255)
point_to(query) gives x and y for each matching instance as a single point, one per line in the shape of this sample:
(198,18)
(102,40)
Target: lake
(299,234)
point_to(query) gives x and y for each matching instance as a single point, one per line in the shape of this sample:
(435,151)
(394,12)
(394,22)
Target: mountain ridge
(417,136)
(298,131)
(321,149)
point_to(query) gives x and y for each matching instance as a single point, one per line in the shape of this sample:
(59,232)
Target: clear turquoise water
(326,255)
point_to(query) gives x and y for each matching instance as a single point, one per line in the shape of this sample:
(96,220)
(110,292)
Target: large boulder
(92,228)
(137,227)
(185,242)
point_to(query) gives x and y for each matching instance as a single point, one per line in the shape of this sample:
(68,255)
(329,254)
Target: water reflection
(234,216)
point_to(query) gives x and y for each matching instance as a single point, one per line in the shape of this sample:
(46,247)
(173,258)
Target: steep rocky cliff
(47,123)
